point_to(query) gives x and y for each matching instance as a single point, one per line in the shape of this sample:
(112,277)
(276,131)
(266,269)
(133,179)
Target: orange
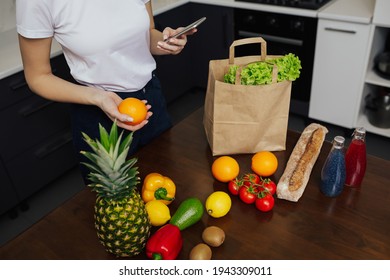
(264,163)
(225,168)
(135,108)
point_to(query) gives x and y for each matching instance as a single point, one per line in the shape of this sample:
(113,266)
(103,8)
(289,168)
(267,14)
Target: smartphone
(187,28)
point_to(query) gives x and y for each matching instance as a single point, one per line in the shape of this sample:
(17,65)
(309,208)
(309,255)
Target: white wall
(7,15)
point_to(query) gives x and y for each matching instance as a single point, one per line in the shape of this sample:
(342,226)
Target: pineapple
(121,220)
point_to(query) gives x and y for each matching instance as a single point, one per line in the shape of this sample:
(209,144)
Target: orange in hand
(135,108)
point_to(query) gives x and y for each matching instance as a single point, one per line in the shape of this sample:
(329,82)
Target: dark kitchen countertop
(353,226)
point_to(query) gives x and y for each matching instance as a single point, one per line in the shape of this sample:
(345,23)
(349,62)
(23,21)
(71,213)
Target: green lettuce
(230,76)
(257,74)
(289,67)
(260,73)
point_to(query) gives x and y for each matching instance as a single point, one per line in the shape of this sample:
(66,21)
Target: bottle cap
(339,139)
(338,142)
(359,133)
(360,130)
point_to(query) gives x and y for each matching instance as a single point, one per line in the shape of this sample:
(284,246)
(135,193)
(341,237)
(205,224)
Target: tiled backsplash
(7,15)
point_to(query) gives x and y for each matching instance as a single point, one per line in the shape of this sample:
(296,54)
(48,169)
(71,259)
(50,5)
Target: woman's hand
(174,45)
(109,102)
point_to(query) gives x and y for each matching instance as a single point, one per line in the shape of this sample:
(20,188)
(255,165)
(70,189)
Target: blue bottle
(333,172)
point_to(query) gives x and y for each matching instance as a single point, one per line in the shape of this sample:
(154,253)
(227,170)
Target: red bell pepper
(165,243)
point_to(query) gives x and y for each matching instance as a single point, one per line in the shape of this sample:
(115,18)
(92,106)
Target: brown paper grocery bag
(240,119)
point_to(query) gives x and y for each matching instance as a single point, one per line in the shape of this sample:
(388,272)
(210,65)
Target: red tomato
(265,203)
(269,185)
(248,194)
(250,179)
(234,186)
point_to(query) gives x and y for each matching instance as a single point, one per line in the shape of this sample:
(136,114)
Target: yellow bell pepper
(158,187)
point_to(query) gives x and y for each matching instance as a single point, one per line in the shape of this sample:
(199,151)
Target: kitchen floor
(71,183)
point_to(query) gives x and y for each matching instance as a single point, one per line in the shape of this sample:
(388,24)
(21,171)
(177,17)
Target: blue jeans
(85,118)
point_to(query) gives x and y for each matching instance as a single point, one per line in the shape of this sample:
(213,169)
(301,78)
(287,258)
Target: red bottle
(355,158)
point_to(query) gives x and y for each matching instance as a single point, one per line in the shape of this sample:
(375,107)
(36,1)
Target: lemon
(218,204)
(158,212)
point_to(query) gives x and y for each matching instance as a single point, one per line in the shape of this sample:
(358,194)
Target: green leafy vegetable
(260,73)
(289,67)
(256,74)
(230,76)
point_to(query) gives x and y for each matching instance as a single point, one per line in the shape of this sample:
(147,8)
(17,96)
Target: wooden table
(355,225)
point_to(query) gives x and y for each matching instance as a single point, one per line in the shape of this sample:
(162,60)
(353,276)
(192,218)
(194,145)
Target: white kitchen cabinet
(339,71)
(373,82)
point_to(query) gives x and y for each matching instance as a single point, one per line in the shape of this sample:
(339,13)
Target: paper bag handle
(246,41)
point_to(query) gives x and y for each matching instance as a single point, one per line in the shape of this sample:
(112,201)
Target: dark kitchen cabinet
(213,39)
(174,71)
(8,197)
(36,142)
(189,69)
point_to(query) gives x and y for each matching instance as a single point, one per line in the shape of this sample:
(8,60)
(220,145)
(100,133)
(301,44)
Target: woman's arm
(157,45)
(36,61)
(37,69)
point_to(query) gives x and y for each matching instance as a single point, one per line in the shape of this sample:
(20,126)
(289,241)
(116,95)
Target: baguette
(294,179)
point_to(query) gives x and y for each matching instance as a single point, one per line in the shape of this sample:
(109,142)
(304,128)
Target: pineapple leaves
(126,142)
(89,140)
(113,138)
(104,138)
(112,175)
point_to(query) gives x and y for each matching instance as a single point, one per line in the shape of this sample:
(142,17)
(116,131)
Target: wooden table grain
(353,226)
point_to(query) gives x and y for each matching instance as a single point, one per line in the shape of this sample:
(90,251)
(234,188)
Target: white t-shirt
(106,43)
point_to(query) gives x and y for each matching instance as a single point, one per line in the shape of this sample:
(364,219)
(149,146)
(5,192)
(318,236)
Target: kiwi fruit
(213,236)
(201,252)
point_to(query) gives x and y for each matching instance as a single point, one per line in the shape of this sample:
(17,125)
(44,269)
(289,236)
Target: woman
(109,47)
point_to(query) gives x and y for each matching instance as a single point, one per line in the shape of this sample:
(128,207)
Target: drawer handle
(29,110)
(270,38)
(54,146)
(340,30)
(19,85)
